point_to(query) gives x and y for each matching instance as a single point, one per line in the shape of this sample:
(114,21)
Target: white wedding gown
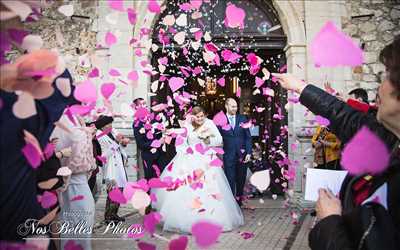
(190,203)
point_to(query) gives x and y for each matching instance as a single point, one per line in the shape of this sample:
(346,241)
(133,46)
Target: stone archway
(290,16)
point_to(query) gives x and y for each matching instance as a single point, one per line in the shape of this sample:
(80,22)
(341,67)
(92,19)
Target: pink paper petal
(189,150)
(72,245)
(131,16)
(32,155)
(216,163)
(200,148)
(155,144)
(179,243)
(114,72)
(24,107)
(218,150)
(133,75)
(110,39)
(230,56)
(141,184)
(252,59)
(103,159)
(163,60)
(107,89)
(220,119)
(64,171)
(116,4)
(48,199)
(117,196)
(226,127)
(34,243)
(206,234)
(176,83)
(49,150)
(247,235)
(32,42)
(17,35)
(156,169)
(365,153)
(196,4)
(322,121)
(145,246)
(103,133)
(20,8)
(157,183)
(66,10)
(179,140)
(150,221)
(221,81)
(261,180)
(185,6)
(153,6)
(259,82)
(80,110)
(77,198)
(94,73)
(64,85)
(332,48)
(246,124)
(86,92)
(140,199)
(128,191)
(234,16)
(136,231)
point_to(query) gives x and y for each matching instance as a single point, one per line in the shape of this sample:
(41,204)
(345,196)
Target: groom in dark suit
(150,156)
(237,149)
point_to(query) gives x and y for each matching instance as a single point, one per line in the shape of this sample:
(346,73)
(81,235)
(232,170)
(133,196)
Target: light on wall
(211,86)
(235,84)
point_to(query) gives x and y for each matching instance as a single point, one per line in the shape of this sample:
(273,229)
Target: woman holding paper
(367,215)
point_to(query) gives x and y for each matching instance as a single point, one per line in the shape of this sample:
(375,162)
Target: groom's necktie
(232,122)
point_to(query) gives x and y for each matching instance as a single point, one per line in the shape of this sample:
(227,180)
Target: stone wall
(372,24)
(73,37)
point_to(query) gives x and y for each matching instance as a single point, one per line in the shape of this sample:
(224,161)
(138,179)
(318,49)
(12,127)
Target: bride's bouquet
(205,133)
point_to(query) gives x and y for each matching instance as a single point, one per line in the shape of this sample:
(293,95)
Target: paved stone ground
(270,222)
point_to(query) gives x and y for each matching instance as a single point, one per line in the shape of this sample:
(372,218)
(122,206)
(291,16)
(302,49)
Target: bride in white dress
(201,191)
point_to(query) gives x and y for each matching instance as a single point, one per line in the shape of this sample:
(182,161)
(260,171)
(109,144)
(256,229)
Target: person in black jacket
(358,220)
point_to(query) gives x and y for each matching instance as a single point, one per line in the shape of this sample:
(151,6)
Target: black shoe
(115,219)
(118,218)
(148,209)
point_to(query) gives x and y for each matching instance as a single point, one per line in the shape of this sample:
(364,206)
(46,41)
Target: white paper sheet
(321,178)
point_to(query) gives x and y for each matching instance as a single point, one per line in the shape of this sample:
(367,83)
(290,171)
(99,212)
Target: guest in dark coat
(17,178)
(367,215)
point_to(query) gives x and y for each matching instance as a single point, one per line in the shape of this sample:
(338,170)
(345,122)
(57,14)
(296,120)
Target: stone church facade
(371,23)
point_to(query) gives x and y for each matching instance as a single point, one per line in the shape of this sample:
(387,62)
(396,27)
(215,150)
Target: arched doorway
(262,35)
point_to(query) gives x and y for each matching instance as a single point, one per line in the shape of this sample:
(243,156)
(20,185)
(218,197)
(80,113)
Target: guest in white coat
(114,172)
